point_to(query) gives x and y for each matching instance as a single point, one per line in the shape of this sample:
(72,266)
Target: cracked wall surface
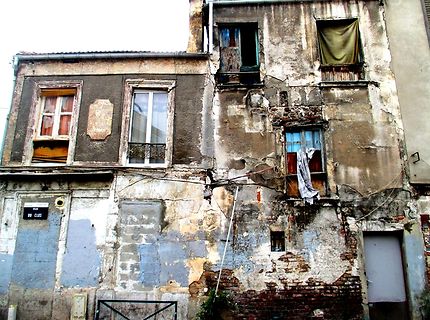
(176,233)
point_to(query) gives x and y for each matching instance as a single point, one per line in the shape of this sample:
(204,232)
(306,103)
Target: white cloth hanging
(307,191)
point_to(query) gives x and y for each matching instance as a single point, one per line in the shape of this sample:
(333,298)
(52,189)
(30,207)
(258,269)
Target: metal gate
(136,310)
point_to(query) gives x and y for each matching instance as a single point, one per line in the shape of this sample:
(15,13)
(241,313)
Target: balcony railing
(146,152)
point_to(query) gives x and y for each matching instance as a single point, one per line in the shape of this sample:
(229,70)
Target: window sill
(323,201)
(240,85)
(146,166)
(346,83)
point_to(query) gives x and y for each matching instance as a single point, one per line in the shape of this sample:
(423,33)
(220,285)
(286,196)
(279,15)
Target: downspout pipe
(226,242)
(211,27)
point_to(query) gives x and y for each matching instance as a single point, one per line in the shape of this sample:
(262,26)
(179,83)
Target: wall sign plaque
(35,211)
(100,119)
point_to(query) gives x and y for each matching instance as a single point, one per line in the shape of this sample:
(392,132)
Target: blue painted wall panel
(81,262)
(35,256)
(173,258)
(150,267)
(5,272)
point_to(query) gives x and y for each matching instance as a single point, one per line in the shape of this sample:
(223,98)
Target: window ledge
(323,201)
(239,85)
(347,83)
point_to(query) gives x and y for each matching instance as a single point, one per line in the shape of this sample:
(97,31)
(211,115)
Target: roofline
(251,2)
(106,55)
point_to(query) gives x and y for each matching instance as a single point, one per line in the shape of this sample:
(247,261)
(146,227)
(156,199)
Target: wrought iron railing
(136,309)
(138,152)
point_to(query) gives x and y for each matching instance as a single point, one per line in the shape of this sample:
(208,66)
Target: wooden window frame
(316,176)
(60,94)
(42,90)
(247,74)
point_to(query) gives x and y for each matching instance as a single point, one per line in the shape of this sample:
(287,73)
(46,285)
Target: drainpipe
(6,125)
(226,242)
(11,314)
(211,26)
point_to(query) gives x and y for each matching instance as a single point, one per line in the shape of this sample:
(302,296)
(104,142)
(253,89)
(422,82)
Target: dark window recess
(239,52)
(340,50)
(305,139)
(277,241)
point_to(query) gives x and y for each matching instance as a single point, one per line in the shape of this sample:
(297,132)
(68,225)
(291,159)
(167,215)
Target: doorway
(385,276)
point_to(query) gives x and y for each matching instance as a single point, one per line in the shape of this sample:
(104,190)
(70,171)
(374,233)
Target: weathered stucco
(145,233)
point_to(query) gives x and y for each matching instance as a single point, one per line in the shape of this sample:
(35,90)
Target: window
(239,61)
(53,128)
(277,241)
(148,129)
(149,113)
(305,150)
(340,50)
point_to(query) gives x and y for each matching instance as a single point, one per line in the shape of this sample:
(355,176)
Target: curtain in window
(230,49)
(65,115)
(139,117)
(159,118)
(338,42)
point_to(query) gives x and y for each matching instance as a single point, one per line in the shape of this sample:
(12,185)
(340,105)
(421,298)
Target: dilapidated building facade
(268,161)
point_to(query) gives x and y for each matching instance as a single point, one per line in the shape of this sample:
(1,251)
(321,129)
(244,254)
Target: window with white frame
(148,127)
(53,125)
(149,107)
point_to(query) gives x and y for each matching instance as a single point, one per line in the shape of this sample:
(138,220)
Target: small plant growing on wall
(425,303)
(216,306)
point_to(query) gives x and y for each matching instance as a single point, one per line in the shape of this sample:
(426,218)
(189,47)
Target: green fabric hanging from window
(338,42)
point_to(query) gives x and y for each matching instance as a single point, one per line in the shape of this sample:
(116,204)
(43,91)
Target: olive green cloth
(338,42)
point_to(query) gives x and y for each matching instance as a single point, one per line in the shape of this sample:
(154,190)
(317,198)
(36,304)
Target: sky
(46,26)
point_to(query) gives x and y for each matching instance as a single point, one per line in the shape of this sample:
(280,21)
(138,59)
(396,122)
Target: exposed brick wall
(341,300)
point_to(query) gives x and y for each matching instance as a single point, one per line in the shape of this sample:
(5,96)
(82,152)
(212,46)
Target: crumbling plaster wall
(363,139)
(58,257)
(369,156)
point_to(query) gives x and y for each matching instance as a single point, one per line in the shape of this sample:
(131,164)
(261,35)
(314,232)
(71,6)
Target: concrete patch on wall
(100,119)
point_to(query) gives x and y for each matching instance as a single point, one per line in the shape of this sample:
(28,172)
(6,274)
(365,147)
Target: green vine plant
(424,301)
(215,306)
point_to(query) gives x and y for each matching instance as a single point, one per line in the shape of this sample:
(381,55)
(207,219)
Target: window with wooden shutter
(51,143)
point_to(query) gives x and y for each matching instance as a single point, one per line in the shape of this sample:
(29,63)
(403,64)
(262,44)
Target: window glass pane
(139,117)
(159,118)
(50,103)
(64,128)
(67,104)
(47,125)
(312,139)
(316,140)
(293,141)
(229,37)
